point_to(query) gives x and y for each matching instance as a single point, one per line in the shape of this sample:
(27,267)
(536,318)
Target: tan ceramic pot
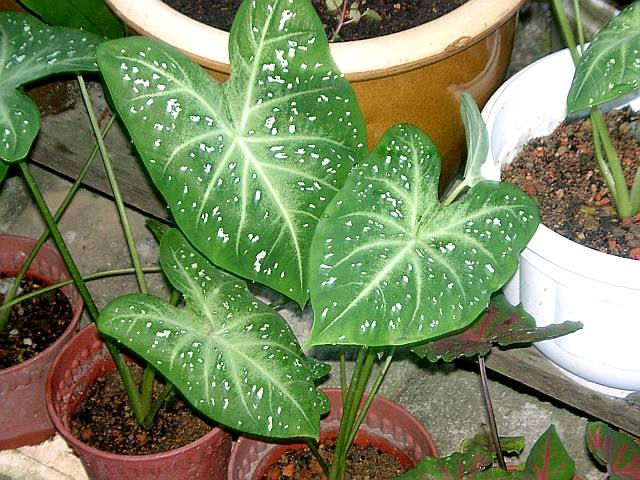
(415,76)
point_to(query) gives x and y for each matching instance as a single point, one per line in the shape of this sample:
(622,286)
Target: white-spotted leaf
(30,51)
(232,357)
(247,167)
(392,266)
(610,66)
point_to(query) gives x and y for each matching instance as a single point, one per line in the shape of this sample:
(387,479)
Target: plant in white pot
(259,175)
(413,76)
(558,278)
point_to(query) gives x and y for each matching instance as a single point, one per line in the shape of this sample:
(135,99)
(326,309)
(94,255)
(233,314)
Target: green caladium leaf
(483,439)
(501,324)
(91,15)
(30,51)
(455,466)
(246,167)
(393,266)
(615,450)
(609,67)
(548,459)
(232,357)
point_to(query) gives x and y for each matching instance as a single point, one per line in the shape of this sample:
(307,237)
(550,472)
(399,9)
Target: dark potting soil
(104,420)
(396,15)
(363,463)
(33,324)
(561,174)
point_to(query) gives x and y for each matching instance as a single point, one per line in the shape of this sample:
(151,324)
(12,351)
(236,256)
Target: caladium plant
(617,451)
(607,70)
(259,176)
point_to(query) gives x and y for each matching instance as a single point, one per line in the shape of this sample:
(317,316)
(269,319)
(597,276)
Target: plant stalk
(121,366)
(5,313)
(316,453)
(85,278)
(490,413)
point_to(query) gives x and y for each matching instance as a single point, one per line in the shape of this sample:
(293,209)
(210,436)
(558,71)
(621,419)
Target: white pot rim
(411,48)
(546,243)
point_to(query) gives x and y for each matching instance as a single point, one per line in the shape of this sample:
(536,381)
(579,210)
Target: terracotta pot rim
(76,307)
(386,403)
(90,330)
(360,60)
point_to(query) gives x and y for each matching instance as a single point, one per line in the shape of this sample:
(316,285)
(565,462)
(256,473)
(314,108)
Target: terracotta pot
(23,415)
(76,367)
(415,76)
(559,279)
(387,426)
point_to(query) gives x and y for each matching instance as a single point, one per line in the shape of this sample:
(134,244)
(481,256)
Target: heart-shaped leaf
(231,356)
(609,67)
(503,324)
(246,167)
(393,266)
(548,459)
(617,451)
(31,51)
(455,466)
(90,15)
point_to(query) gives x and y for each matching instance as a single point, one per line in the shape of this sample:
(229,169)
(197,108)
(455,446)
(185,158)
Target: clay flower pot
(559,279)
(23,413)
(415,76)
(76,367)
(387,426)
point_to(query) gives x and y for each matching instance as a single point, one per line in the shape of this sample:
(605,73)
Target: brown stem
(492,418)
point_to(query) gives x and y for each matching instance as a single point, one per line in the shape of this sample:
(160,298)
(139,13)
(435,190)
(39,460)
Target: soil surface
(104,420)
(363,463)
(560,173)
(33,324)
(395,15)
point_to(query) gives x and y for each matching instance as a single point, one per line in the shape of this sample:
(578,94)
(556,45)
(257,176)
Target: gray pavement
(446,398)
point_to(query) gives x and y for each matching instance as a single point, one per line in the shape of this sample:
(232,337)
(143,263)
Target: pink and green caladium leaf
(30,51)
(502,323)
(548,459)
(610,66)
(391,265)
(615,450)
(453,467)
(232,357)
(247,167)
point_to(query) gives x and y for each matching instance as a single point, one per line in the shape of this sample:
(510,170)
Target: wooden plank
(65,142)
(529,367)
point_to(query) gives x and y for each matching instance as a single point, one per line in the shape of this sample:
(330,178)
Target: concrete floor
(446,398)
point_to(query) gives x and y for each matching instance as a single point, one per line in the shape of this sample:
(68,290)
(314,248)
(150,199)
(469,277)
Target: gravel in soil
(363,463)
(560,173)
(395,15)
(104,420)
(33,324)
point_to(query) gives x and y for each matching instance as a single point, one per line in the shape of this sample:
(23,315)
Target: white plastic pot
(559,279)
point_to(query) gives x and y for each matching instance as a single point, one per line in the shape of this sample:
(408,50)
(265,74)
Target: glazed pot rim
(592,264)
(361,59)
(75,319)
(91,331)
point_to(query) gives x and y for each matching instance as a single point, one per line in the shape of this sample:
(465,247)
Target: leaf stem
(316,453)
(5,313)
(491,414)
(85,278)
